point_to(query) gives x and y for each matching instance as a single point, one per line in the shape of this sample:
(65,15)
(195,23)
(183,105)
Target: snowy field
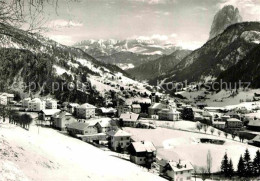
(224,95)
(49,155)
(177,144)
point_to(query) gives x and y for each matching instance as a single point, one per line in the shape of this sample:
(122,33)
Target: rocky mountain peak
(225,17)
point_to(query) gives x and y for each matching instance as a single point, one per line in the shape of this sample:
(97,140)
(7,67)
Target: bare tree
(209,162)
(212,130)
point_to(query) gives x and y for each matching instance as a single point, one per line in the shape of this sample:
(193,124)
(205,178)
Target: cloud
(191,45)
(61,23)
(249,9)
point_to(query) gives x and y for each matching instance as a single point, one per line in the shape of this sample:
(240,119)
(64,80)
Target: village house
(213,109)
(119,140)
(123,109)
(51,104)
(71,107)
(81,128)
(177,171)
(129,119)
(219,124)
(255,141)
(169,114)
(85,111)
(155,108)
(25,102)
(3,100)
(10,97)
(105,125)
(62,119)
(234,124)
(254,124)
(36,105)
(142,153)
(46,114)
(136,108)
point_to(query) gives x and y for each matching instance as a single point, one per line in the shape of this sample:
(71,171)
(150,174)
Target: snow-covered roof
(7,95)
(255,123)
(79,126)
(158,106)
(105,122)
(233,120)
(256,139)
(129,117)
(136,106)
(73,104)
(108,110)
(118,133)
(87,106)
(144,146)
(169,111)
(50,112)
(180,166)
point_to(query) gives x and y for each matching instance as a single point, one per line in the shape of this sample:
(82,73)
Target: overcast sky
(183,22)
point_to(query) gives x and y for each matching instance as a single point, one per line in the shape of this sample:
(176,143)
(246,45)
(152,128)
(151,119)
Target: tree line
(245,168)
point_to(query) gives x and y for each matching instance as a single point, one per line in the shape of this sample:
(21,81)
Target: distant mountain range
(126,53)
(158,67)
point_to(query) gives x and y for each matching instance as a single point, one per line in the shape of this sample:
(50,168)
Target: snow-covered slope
(46,154)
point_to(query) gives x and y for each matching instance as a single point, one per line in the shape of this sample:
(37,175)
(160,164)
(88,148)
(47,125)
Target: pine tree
(224,165)
(248,163)
(256,164)
(241,167)
(230,168)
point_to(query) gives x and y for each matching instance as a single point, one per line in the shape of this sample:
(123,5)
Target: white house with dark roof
(85,111)
(129,119)
(119,139)
(178,171)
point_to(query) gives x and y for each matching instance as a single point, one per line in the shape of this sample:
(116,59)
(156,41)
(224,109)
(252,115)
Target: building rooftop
(233,120)
(144,146)
(118,133)
(255,122)
(78,126)
(50,112)
(180,166)
(137,106)
(158,106)
(86,106)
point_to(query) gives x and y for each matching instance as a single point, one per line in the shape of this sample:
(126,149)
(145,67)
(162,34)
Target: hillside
(125,58)
(160,66)
(217,55)
(246,70)
(30,58)
(47,154)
